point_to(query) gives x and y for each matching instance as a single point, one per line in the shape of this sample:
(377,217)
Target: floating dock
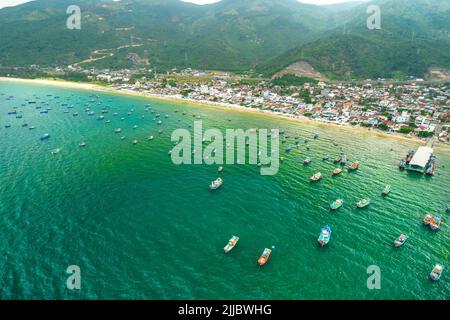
(420,160)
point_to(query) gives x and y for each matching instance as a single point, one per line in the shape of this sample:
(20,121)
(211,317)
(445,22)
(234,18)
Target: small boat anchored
(337,204)
(400,240)
(316,177)
(307,160)
(436,273)
(56,151)
(216,184)
(325,235)
(386,190)
(436,223)
(362,203)
(428,219)
(264,257)
(231,244)
(336,171)
(353,166)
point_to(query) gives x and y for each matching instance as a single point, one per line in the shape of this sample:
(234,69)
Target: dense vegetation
(264,35)
(413,38)
(292,80)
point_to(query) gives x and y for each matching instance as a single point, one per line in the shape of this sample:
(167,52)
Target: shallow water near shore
(140,227)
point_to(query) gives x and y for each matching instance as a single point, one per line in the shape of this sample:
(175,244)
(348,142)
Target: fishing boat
(338,159)
(448,209)
(231,244)
(400,240)
(436,273)
(402,164)
(336,204)
(337,171)
(325,157)
(220,169)
(316,136)
(150,138)
(216,184)
(428,219)
(117,130)
(307,160)
(325,235)
(430,168)
(362,203)
(386,190)
(343,159)
(436,223)
(264,257)
(7,126)
(135,142)
(316,177)
(45,136)
(82,145)
(288,149)
(353,166)
(56,151)
(409,155)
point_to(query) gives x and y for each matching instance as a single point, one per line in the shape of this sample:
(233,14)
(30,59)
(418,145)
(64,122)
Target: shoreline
(216,105)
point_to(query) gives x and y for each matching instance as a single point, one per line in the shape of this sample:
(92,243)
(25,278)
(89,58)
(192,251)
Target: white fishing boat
(231,244)
(216,184)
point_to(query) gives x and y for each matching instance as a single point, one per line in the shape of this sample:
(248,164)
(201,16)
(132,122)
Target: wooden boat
(428,219)
(353,166)
(436,273)
(364,202)
(231,244)
(336,204)
(386,190)
(436,223)
(337,160)
(264,257)
(216,184)
(325,235)
(316,177)
(337,171)
(400,240)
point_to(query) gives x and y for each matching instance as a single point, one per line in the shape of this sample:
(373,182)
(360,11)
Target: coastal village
(411,108)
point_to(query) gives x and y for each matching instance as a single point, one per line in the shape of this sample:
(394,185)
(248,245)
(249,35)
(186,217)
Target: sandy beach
(210,104)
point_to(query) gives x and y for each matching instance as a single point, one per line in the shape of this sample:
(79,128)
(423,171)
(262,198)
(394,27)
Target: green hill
(414,36)
(229,35)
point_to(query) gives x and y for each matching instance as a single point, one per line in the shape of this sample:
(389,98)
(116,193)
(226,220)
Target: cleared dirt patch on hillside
(300,69)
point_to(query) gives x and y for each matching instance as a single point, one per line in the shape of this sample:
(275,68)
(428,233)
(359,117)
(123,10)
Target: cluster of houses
(409,108)
(412,107)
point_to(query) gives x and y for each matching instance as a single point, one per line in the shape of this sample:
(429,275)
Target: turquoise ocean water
(140,227)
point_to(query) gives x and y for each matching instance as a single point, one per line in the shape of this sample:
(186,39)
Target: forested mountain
(238,35)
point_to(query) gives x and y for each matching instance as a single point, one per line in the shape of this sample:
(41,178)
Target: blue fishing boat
(325,235)
(436,273)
